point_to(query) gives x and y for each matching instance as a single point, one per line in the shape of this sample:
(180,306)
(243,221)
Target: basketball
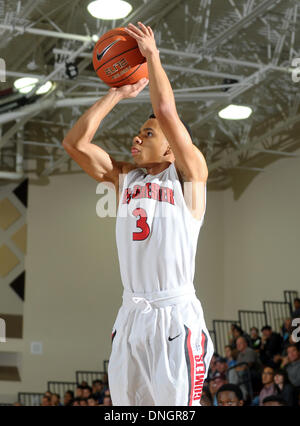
(117,59)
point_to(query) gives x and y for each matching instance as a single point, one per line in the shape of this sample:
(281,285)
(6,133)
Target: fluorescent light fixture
(26,84)
(44,88)
(235,112)
(109,9)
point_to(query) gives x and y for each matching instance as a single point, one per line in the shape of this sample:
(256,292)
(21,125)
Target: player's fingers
(133,34)
(144,28)
(135,29)
(150,31)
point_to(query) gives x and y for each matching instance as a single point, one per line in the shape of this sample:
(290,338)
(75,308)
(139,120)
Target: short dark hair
(222,360)
(293,345)
(95,382)
(297,300)
(231,388)
(237,328)
(266,327)
(275,398)
(284,374)
(183,122)
(254,328)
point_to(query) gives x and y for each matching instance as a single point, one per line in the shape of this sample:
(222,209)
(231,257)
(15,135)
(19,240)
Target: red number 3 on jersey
(142,224)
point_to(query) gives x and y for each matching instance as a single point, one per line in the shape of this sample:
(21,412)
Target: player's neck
(155,169)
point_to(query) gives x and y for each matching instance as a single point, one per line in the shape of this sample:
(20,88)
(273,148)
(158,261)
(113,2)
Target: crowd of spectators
(96,395)
(260,368)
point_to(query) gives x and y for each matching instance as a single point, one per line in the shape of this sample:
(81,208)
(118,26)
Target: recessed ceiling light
(26,84)
(109,9)
(235,112)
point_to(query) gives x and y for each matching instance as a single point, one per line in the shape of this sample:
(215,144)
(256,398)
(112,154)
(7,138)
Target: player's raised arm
(78,142)
(189,158)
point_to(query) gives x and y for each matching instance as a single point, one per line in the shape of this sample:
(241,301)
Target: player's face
(228,398)
(150,145)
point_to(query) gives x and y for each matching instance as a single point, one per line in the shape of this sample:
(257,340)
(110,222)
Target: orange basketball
(117,59)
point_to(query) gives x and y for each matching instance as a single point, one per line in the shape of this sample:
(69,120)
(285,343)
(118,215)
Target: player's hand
(130,90)
(144,37)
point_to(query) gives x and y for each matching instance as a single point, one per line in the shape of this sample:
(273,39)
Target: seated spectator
(78,391)
(46,401)
(255,339)
(230,396)
(249,356)
(273,401)
(221,365)
(206,399)
(292,364)
(236,333)
(83,402)
(269,387)
(98,390)
(55,400)
(92,402)
(230,356)
(68,398)
(284,388)
(76,402)
(296,312)
(86,392)
(106,401)
(271,345)
(214,385)
(212,366)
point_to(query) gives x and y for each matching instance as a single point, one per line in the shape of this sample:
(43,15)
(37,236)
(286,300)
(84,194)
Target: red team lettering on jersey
(150,190)
(199,371)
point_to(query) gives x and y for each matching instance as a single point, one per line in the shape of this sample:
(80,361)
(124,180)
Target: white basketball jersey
(156,233)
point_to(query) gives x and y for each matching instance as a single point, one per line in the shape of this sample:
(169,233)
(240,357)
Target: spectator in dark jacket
(283,386)
(255,339)
(271,345)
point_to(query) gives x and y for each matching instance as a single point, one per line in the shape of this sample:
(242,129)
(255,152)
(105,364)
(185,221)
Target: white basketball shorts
(161,350)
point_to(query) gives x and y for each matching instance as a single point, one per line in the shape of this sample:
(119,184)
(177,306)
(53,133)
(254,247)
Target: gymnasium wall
(262,238)
(73,285)
(248,251)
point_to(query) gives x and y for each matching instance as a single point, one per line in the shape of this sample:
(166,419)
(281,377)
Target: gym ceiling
(245,48)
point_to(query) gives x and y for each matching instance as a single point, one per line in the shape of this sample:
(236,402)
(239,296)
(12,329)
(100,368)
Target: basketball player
(161,348)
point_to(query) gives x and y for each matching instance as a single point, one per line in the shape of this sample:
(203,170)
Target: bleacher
(273,313)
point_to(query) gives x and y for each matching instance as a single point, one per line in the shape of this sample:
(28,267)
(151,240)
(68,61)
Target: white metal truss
(202,43)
